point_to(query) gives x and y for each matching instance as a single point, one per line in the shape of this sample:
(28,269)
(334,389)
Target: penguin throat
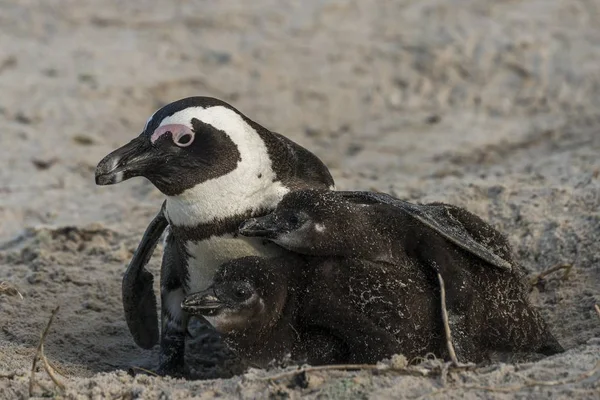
(230,195)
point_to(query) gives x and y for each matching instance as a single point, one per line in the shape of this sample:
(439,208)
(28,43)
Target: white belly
(207,255)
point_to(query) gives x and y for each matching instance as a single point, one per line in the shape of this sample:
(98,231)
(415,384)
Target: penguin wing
(456,224)
(296,166)
(139,300)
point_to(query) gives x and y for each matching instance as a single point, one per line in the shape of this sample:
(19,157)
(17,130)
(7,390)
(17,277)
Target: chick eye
(293,219)
(240,293)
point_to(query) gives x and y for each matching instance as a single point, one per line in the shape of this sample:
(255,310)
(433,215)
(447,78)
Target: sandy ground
(492,105)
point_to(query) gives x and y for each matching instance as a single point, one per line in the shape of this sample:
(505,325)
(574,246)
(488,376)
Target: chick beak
(260,227)
(202,303)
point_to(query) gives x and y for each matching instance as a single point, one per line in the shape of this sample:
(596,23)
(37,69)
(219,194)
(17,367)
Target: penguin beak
(202,303)
(260,227)
(133,159)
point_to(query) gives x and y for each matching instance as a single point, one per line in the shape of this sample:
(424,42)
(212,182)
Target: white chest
(207,255)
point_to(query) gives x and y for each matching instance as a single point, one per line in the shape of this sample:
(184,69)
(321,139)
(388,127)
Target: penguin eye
(180,134)
(184,139)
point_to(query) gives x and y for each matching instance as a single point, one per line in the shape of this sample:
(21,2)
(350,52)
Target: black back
(359,311)
(488,304)
(457,225)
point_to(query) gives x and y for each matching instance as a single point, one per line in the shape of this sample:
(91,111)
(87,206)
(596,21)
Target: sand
(490,105)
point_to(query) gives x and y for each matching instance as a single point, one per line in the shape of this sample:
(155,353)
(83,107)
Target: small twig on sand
(50,371)
(348,367)
(341,367)
(8,376)
(411,370)
(57,370)
(534,280)
(134,368)
(597,307)
(39,354)
(9,289)
(511,389)
(447,331)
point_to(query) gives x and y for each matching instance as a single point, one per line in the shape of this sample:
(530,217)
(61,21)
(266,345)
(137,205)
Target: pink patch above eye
(177,131)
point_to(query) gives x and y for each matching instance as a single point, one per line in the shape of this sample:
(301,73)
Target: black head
(184,143)
(314,222)
(247,295)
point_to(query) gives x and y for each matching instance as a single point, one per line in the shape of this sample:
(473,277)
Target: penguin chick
(321,310)
(252,302)
(488,304)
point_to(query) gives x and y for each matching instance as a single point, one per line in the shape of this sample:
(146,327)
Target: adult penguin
(217,168)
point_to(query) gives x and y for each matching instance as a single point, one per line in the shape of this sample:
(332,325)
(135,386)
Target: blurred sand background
(491,105)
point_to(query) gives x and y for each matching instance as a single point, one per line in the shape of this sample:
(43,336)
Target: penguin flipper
(139,299)
(457,225)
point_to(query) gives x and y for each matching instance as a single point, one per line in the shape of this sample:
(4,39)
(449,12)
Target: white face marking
(225,319)
(293,240)
(320,228)
(207,255)
(261,302)
(173,301)
(230,320)
(214,321)
(248,187)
